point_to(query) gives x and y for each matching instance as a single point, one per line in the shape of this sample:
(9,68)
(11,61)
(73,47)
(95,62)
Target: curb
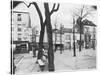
(21,59)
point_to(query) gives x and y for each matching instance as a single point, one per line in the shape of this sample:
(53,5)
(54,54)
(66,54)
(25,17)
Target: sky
(63,16)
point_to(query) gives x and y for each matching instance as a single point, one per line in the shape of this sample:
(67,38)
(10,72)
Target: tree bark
(41,41)
(50,40)
(79,22)
(80,40)
(41,32)
(47,22)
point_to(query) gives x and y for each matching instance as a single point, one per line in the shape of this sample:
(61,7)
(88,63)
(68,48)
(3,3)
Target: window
(67,37)
(19,35)
(19,39)
(24,24)
(75,37)
(25,38)
(19,14)
(19,29)
(19,17)
(19,24)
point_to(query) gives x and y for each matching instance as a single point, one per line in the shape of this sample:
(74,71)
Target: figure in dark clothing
(43,61)
(34,50)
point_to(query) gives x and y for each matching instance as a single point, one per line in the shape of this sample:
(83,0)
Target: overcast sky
(62,16)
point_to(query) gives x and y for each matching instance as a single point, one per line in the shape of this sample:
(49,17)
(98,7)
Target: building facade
(20,26)
(21,30)
(66,38)
(88,37)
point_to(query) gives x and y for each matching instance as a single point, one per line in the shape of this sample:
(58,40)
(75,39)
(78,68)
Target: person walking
(34,50)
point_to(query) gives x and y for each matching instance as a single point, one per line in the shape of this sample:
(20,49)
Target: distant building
(66,38)
(21,31)
(90,36)
(20,27)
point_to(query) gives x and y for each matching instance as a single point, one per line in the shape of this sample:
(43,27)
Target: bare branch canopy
(53,9)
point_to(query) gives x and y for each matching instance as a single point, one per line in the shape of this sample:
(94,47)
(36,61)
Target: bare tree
(48,25)
(74,49)
(48,14)
(81,15)
(42,29)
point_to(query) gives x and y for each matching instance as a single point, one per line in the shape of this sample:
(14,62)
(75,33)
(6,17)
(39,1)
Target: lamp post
(61,39)
(94,38)
(74,49)
(55,36)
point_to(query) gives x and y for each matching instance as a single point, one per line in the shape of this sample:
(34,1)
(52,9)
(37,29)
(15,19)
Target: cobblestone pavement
(63,62)
(86,59)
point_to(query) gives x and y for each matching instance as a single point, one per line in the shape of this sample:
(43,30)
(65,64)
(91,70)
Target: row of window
(20,39)
(19,28)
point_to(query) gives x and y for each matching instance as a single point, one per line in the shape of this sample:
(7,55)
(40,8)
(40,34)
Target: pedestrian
(45,55)
(43,60)
(34,50)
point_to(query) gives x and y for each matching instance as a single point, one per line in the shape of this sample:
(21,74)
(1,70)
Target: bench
(43,61)
(41,64)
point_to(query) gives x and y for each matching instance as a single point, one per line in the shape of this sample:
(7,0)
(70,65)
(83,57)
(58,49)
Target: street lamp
(94,40)
(74,49)
(61,27)
(55,35)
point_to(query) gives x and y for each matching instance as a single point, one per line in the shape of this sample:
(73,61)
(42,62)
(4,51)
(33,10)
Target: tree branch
(76,15)
(38,11)
(27,5)
(53,9)
(85,15)
(82,11)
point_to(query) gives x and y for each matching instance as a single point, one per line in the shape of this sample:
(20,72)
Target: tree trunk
(74,46)
(80,41)
(41,32)
(79,21)
(41,41)
(50,41)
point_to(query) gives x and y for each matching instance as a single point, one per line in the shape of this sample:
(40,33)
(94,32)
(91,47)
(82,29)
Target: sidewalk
(64,61)
(27,65)
(18,58)
(86,59)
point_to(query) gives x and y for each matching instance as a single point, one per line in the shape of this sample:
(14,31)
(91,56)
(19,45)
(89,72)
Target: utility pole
(79,20)
(74,49)
(55,35)
(33,41)
(32,34)
(60,38)
(94,38)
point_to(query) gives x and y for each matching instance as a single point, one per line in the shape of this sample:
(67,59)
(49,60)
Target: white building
(66,38)
(20,26)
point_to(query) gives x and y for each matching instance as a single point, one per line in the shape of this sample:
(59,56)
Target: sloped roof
(88,23)
(15,3)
